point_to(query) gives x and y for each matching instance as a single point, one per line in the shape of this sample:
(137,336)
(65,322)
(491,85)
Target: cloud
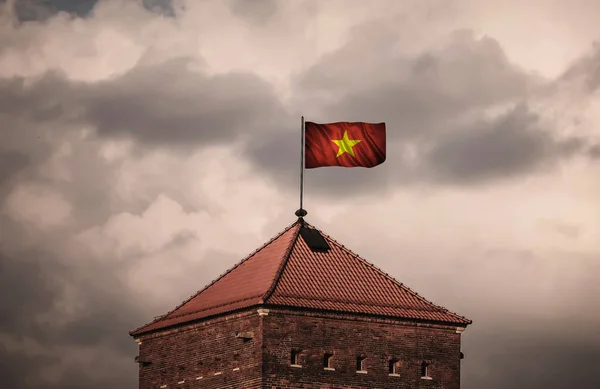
(503,147)
(42,10)
(161,7)
(258,12)
(10,163)
(542,364)
(370,77)
(136,147)
(171,104)
(163,104)
(44,334)
(585,70)
(438,97)
(436,106)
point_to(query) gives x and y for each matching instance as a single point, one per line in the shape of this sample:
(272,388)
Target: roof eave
(141,332)
(457,323)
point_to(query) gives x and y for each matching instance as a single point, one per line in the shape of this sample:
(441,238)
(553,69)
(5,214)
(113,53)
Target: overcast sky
(148,146)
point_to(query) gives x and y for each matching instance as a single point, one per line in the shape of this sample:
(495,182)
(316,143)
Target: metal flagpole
(301,212)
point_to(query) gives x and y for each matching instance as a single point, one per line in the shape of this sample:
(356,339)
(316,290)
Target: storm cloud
(148,146)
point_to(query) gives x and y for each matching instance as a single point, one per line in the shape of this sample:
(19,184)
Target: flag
(344,144)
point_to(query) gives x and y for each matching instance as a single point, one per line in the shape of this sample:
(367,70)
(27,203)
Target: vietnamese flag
(344,144)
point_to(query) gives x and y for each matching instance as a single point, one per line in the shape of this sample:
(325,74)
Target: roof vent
(314,239)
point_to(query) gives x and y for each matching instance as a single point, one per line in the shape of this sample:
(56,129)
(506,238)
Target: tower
(302,311)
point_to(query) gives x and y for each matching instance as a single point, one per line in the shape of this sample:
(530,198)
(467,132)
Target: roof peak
(301,213)
(304,269)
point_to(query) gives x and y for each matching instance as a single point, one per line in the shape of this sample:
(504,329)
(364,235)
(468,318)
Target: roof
(287,272)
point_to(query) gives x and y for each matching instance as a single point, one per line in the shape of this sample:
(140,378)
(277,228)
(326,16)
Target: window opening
(360,363)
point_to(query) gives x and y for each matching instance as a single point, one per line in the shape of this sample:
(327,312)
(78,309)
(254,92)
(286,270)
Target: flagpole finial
(301,213)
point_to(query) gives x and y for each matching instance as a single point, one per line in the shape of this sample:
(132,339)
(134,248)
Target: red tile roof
(286,272)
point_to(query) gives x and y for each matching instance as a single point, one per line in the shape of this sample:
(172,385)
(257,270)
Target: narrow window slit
(295,358)
(360,363)
(425,370)
(393,367)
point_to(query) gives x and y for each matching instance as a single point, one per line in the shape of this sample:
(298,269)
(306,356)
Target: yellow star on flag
(345,145)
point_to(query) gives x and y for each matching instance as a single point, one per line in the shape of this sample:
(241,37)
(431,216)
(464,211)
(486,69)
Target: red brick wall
(202,350)
(346,339)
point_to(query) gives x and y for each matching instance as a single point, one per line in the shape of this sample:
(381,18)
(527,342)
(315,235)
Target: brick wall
(178,357)
(377,340)
(201,350)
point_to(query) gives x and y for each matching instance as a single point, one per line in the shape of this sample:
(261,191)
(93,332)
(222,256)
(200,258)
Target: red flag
(344,144)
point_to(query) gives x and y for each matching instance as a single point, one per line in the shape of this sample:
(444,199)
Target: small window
(314,240)
(425,369)
(393,366)
(327,360)
(360,363)
(295,357)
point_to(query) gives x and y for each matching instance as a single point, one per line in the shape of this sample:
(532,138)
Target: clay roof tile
(287,272)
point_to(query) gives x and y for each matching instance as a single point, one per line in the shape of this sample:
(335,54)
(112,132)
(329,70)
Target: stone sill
(361,372)
(426,378)
(296,365)
(394,375)
(329,368)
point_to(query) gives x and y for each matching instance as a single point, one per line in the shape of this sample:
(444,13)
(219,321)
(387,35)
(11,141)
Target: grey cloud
(594,151)
(11,162)
(40,10)
(509,145)
(527,359)
(423,100)
(39,117)
(433,103)
(48,97)
(33,280)
(162,7)
(434,98)
(18,367)
(254,11)
(367,77)
(166,104)
(17,300)
(28,10)
(417,96)
(586,69)
(170,104)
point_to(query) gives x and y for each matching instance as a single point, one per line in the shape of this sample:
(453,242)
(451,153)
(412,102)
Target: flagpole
(301,212)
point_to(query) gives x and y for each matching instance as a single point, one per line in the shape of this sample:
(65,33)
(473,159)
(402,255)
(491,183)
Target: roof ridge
(159,318)
(388,277)
(283,264)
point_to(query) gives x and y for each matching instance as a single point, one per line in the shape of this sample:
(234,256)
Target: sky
(148,146)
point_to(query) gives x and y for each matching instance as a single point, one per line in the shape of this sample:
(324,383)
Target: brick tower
(302,311)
